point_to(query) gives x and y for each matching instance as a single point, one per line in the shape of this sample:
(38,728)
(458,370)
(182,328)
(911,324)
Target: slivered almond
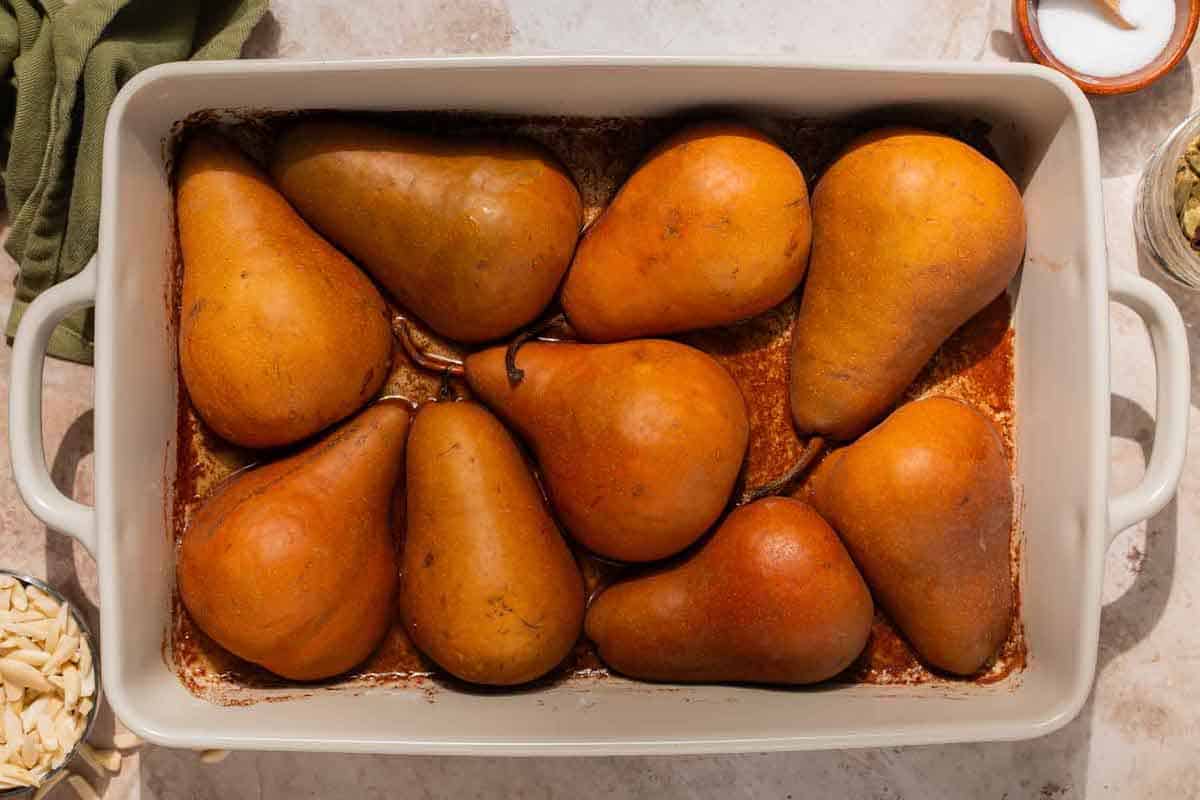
(17,773)
(34,630)
(111,759)
(34,658)
(29,752)
(101,760)
(12,692)
(85,659)
(17,643)
(63,651)
(213,756)
(82,788)
(45,729)
(19,600)
(29,716)
(70,684)
(25,675)
(13,734)
(5,599)
(53,633)
(126,740)
(64,730)
(53,706)
(41,601)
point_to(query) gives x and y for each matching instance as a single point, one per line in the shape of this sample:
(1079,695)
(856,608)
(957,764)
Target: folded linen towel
(64,63)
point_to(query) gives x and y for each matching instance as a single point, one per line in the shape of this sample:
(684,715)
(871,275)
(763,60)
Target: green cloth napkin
(64,63)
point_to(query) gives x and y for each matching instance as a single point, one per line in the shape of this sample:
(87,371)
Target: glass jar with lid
(1156,217)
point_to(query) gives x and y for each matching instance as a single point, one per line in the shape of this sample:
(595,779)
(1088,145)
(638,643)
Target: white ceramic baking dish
(1062,400)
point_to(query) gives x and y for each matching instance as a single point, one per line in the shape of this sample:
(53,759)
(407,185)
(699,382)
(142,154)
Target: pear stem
(811,452)
(516,374)
(447,391)
(434,362)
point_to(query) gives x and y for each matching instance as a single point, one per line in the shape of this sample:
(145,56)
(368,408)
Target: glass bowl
(1154,219)
(85,634)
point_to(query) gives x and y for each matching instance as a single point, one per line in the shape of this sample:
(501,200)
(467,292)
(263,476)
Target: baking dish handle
(25,408)
(1173,402)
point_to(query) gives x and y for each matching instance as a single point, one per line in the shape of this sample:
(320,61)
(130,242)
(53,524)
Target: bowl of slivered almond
(50,684)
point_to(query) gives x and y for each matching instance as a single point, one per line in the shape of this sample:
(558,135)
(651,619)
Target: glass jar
(1156,223)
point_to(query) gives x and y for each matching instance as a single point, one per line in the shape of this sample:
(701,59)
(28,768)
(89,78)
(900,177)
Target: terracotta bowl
(1187,14)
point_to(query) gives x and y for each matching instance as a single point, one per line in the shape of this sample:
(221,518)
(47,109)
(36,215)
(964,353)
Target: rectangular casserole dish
(1061,396)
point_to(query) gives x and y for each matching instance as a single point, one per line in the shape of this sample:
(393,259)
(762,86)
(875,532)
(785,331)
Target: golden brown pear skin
(915,232)
(280,334)
(471,236)
(713,227)
(924,503)
(490,590)
(292,565)
(639,442)
(772,597)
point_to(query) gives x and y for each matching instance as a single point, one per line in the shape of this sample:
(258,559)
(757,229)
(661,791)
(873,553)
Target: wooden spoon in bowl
(1113,9)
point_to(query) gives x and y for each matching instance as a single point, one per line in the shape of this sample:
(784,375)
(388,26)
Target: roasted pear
(713,227)
(924,503)
(280,335)
(472,236)
(639,442)
(772,597)
(915,233)
(292,565)
(490,590)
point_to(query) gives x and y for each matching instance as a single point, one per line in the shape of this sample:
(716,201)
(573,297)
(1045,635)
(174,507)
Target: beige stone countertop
(1139,734)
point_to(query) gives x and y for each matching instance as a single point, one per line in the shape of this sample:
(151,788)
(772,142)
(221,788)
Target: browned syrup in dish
(975,365)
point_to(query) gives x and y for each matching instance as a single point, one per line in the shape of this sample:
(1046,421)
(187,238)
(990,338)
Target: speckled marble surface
(1138,736)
